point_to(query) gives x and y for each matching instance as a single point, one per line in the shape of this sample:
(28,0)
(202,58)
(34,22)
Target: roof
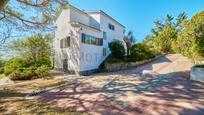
(84,25)
(102,12)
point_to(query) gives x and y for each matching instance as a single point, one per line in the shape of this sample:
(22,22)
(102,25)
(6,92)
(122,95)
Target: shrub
(22,74)
(114,60)
(18,69)
(42,71)
(12,65)
(117,49)
(34,60)
(43,61)
(1,70)
(2,63)
(199,66)
(190,41)
(140,52)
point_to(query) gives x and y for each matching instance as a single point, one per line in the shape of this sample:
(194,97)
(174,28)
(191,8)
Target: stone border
(33,94)
(197,74)
(123,66)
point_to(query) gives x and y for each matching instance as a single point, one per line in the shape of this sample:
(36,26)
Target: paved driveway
(161,87)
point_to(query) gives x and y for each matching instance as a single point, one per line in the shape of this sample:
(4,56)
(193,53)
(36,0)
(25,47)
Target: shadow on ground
(173,94)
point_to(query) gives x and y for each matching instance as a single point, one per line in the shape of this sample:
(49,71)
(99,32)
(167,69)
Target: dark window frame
(105,35)
(111,26)
(87,39)
(104,51)
(65,42)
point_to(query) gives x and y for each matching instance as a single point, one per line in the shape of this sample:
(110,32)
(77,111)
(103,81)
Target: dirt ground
(13,102)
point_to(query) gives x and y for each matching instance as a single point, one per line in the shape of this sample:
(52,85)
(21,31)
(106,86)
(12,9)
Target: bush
(18,69)
(12,65)
(1,70)
(190,41)
(43,61)
(199,66)
(33,61)
(140,52)
(22,74)
(117,49)
(114,60)
(42,71)
(22,69)
(2,63)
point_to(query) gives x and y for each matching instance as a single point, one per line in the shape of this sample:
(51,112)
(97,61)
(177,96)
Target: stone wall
(110,67)
(197,73)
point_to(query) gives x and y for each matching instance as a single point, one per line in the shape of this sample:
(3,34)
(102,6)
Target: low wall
(197,74)
(110,67)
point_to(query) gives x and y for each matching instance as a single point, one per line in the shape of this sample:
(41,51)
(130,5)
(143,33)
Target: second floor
(97,20)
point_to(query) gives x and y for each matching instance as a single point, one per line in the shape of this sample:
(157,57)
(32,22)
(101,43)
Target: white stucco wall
(111,35)
(91,56)
(78,16)
(63,30)
(83,57)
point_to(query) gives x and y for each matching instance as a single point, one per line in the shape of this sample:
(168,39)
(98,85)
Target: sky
(139,15)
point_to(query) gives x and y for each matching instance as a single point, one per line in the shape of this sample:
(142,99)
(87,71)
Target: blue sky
(139,15)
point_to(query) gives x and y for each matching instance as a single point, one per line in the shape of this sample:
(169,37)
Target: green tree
(191,40)
(117,49)
(25,16)
(150,41)
(164,40)
(165,33)
(129,41)
(140,51)
(32,58)
(32,48)
(2,66)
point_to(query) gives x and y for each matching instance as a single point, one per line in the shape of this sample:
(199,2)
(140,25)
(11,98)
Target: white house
(82,37)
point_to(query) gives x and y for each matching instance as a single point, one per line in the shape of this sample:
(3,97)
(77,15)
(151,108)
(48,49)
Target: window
(64,43)
(104,51)
(104,35)
(111,27)
(91,40)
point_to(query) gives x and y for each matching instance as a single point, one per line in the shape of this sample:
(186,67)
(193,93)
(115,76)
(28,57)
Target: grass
(12,99)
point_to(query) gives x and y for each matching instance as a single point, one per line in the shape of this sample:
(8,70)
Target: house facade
(82,37)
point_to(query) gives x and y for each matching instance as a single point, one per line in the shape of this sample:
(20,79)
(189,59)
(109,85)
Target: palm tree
(129,40)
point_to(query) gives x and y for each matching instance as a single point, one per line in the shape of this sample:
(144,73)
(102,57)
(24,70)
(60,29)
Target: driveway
(161,87)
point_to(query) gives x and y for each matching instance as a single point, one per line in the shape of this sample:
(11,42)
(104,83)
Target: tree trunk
(3,4)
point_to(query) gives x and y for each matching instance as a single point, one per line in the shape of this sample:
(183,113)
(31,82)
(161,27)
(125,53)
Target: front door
(65,65)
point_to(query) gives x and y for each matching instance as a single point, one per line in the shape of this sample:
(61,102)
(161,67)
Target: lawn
(12,99)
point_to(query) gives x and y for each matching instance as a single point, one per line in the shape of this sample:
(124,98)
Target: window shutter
(83,38)
(68,41)
(109,25)
(65,42)
(61,43)
(101,42)
(104,51)
(113,27)
(104,35)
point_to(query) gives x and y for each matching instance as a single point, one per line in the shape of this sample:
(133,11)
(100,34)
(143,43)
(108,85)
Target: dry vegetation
(12,99)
